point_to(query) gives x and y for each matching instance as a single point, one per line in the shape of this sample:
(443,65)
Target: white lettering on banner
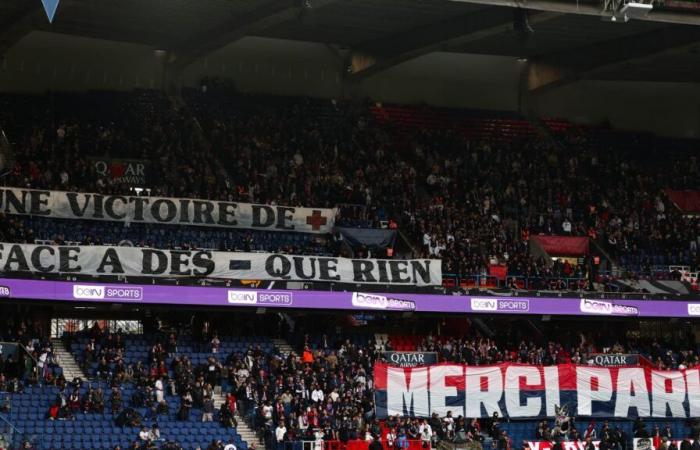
(664,397)
(518,391)
(132,261)
(586,395)
(176,211)
(632,392)
(439,390)
(531,376)
(692,381)
(484,386)
(551,389)
(403,395)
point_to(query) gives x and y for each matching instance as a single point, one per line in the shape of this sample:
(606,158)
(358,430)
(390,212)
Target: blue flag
(50,7)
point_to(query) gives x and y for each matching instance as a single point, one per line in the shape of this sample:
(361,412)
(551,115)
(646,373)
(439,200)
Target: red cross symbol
(316,220)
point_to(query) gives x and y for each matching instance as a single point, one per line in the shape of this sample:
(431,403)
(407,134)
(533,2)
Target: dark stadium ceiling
(387,31)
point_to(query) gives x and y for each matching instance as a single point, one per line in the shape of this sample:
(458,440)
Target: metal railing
(13,438)
(352,444)
(514,282)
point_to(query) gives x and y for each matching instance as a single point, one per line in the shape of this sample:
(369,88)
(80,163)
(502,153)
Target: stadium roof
(373,35)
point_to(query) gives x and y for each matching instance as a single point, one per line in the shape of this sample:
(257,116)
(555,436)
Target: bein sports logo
(259,298)
(374,301)
(607,308)
(88,292)
(694,309)
(499,304)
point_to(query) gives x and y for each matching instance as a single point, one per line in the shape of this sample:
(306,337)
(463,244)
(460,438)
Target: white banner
(648,443)
(132,261)
(174,211)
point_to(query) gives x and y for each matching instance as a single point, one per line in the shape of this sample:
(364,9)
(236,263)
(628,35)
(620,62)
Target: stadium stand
(321,389)
(474,223)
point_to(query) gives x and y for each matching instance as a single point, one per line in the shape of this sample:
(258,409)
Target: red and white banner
(568,445)
(524,391)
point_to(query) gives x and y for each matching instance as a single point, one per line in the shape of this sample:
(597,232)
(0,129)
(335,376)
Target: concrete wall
(671,109)
(301,68)
(49,61)
(261,65)
(45,61)
(449,79)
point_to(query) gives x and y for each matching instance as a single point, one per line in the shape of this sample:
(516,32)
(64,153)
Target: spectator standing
(208,410)
(280,433)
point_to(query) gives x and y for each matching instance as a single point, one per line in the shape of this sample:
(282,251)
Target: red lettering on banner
(484,384)
(458,382)
(669,386)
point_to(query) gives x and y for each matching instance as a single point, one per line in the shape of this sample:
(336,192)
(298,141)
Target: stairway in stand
(70,367)
(247,434)
(283,346)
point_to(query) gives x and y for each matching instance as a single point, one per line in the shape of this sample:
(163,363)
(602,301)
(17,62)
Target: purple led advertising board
(238,297)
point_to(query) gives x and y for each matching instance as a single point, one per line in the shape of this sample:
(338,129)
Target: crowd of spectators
(26,229)
(323,392)
(471,203)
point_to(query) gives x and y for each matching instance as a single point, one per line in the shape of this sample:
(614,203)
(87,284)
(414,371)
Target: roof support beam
(268,14)
(374,57)
(556,70)
(20,24)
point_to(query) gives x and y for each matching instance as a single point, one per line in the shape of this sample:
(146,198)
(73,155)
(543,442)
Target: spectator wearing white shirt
(280,432)
(143,434)
(159,390)
(230,446)
(426,434)
(154,433)
(317,395)
(267,413)
(390,438)
(334,395)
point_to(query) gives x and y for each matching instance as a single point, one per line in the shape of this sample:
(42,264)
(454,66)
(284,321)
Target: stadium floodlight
(623,11)
(634,10)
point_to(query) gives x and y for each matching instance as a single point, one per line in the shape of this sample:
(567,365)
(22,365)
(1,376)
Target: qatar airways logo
(607,308)
(91,292)
(374,301)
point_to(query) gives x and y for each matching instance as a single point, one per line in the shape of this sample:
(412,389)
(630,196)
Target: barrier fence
(513,282)
(353,444)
